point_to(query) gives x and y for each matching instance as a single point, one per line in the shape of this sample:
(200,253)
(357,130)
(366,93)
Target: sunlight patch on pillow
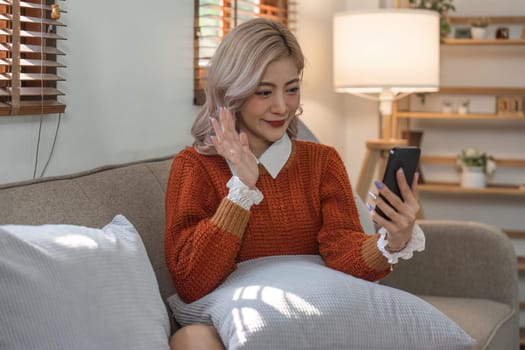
(296,302)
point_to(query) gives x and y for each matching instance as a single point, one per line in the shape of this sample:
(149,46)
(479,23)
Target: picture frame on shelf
(462,33)
(502,33)
(509,105)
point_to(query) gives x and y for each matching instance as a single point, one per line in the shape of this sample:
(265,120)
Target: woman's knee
(196,337)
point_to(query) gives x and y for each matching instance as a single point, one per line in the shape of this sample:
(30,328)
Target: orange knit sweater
(307,209)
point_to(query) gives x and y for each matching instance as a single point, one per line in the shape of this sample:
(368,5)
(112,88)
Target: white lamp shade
(388,49)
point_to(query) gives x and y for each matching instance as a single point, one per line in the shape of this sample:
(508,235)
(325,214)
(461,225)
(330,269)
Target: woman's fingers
(227,124)
(227,141)
(401,210)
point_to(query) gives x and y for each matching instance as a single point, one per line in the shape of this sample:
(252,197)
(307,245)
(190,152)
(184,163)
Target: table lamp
(384,55)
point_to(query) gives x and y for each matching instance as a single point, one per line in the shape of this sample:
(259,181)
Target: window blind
(214,19)
(29,57)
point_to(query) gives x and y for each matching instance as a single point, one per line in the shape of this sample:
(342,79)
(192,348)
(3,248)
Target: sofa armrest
(462,259)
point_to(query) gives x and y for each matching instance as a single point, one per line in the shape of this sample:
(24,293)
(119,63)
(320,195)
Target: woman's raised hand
(402,213)
(234,147)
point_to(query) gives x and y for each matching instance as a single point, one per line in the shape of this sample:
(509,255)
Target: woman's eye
(294,90)
(263,93)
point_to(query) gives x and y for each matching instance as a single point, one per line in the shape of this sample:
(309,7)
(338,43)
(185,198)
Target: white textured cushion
(73,287)
(296,302)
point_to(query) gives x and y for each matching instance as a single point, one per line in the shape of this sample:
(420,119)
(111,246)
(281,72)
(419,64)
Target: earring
(55,11)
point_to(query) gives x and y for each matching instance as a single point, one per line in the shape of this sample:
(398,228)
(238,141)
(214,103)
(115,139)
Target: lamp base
(375,158)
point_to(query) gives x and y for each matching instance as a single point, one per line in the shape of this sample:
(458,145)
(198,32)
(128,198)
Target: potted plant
(478,27)
(442,7)
(475,167)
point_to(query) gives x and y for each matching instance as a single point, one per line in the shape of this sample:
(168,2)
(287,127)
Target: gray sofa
(468,270)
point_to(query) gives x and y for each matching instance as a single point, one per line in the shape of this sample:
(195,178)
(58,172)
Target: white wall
(340,120)
(128,90)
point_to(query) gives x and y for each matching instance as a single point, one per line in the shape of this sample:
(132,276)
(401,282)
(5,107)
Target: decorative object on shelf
(523,32)
(422,97)
(398,55)
(502,33)
(478,27)
(443,7)
(462,33)
(447,107)
(463,107)
(473,177)
(509,105)
(475,167)
(55,11)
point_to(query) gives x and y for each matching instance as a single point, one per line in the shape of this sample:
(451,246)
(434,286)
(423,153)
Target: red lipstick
(276,123)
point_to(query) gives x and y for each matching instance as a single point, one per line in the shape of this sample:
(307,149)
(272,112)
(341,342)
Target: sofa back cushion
(93,198)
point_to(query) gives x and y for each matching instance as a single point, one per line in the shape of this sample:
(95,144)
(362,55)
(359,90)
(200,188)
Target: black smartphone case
(399,157)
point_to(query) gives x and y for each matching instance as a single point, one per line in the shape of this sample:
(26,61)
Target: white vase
(473,177)
(478,32)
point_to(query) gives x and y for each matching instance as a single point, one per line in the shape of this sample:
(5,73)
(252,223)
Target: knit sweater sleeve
(342,243)
(203,230)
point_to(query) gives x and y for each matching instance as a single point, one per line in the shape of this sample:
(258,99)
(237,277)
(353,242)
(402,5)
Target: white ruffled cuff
(242,194)
(416,243)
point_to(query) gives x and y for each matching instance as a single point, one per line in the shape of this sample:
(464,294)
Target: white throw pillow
(74,287)
(296,302)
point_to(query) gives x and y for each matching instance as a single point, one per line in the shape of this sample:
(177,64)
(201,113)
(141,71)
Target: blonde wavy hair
(236,69)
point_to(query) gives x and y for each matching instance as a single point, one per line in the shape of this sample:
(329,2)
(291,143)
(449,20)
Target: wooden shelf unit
(452,188)
(398,114)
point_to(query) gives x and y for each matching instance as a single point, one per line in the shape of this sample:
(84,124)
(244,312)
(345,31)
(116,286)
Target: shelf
(455,188)
(484,41)
(451,160)
(515,234)
(492,19)
(477,90)
(469,116)
(521,263)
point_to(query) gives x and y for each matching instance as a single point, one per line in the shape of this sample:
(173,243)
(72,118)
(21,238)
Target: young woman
(248,189)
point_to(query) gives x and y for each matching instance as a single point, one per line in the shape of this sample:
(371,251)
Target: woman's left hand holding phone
(234,147)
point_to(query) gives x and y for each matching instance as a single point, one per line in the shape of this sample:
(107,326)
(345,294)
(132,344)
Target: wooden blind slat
(35,20)
(38,6)
(32,77)
(33,63)
(46,106)
(25,91)
(32,34)
(39,20)
(34,49)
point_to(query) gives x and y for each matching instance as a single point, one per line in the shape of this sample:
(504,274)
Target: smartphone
(399,157)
